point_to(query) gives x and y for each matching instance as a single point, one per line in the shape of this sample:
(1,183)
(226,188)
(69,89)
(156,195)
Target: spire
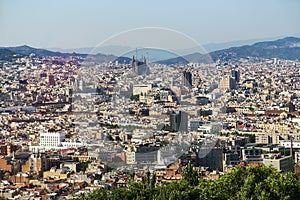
(136,54)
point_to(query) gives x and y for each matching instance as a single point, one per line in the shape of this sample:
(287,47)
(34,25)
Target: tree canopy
(255,183)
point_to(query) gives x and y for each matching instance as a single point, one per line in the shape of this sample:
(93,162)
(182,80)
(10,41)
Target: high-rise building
(235,75)
(228,83)
(51,138)
(210,157)
(187,79)
(178,121)
(290,107)
(51,80)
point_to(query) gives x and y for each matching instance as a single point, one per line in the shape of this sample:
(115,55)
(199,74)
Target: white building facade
(51,138)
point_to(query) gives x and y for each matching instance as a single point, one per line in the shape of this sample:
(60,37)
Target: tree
(190,175)
(100,194)
(255,183)
(135,97)
(153,180)
(84,165)
(280,186)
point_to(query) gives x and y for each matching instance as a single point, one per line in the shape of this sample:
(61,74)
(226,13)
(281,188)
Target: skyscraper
(51,80)
(178,121)
(228,83)
(187,79)
(236,75)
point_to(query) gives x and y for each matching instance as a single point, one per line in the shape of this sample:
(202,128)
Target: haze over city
(77,24)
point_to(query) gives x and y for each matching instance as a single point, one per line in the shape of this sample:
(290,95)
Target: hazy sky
(74,23)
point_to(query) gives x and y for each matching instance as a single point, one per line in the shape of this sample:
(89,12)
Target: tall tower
(51,80)
(227,83)
(140,67)
(178,121)
(235,74)
(187,79)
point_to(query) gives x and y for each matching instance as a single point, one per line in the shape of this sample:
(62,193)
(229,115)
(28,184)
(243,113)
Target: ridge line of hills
(285,48)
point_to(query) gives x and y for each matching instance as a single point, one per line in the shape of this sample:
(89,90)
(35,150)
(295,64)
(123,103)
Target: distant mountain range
(225,45)
(286,48)
(19,51)
(112,49)
(121,49)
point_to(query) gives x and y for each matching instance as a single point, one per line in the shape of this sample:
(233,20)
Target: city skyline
(149,100)
(76,24)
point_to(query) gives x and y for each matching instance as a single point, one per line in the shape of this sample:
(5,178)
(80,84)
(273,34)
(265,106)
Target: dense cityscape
(150,100)
(66,130)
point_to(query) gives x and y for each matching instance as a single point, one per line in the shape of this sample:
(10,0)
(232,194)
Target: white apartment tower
(51,138)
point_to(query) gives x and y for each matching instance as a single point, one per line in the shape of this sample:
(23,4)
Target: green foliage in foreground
(261,183)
